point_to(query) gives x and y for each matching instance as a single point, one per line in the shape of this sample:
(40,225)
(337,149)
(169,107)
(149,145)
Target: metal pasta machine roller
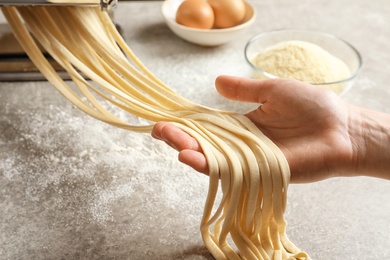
(14,63)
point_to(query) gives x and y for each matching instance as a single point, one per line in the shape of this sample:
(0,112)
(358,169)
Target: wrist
(370,139)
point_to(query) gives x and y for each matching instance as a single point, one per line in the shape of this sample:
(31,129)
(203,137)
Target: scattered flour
(100,208)
(68,162)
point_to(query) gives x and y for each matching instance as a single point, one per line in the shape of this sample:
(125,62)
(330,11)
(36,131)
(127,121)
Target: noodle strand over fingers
(250,171)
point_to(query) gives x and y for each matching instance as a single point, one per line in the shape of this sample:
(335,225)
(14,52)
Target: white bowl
(204,37)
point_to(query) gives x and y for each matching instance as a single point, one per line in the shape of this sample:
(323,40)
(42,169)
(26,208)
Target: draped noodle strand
(247,221)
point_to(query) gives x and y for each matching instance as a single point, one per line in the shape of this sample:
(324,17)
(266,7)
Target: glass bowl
(332,44)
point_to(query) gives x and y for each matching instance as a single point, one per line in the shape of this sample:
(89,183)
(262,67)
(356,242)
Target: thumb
(242,89)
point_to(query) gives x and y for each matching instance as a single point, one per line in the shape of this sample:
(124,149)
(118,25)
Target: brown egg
(195,14)
(228,13)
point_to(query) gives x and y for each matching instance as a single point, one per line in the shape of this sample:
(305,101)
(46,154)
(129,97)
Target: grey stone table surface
(72,187)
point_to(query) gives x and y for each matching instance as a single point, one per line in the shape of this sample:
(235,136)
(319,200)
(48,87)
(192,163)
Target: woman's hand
(313,127)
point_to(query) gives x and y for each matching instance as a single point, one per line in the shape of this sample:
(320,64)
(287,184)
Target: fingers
(190,152)
(175,137)
(194,159)
(242,89)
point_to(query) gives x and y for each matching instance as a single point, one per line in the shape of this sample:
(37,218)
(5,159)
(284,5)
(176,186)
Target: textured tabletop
(72,187)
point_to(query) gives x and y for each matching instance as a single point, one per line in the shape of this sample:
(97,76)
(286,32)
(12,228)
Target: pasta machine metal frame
(14,63)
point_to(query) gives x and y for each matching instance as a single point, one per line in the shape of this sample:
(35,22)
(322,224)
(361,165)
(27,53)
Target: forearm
(370,136)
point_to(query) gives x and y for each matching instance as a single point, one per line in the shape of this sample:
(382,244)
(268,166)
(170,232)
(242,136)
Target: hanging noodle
(251,171)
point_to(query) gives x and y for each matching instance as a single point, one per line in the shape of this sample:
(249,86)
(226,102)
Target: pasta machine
(14,63)
(105,4)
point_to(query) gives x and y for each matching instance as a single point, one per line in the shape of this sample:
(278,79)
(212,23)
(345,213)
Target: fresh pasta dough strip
(247,220)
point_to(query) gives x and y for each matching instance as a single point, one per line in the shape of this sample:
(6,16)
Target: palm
(308,124)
